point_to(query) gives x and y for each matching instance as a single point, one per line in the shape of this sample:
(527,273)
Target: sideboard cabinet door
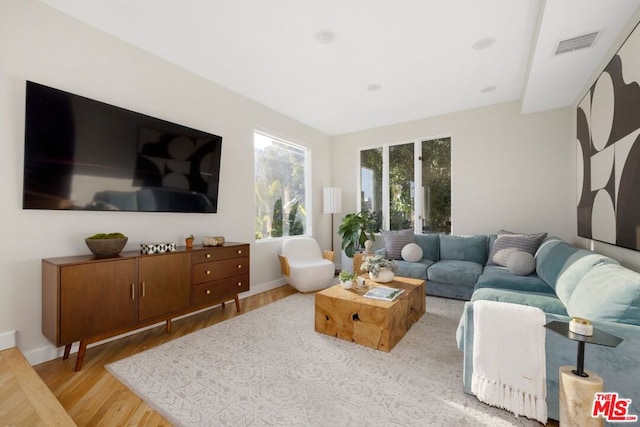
(96,298)
(165,284)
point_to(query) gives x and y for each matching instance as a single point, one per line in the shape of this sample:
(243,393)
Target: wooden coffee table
(346,314)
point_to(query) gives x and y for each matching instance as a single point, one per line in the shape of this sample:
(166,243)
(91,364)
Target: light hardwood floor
(93,397)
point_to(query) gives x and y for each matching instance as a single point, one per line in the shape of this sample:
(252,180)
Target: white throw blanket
(509,358)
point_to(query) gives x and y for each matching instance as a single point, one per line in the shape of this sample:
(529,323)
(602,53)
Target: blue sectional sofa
(570,282)
(566,282)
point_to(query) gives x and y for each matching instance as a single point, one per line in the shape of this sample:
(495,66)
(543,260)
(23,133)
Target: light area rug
(268,367)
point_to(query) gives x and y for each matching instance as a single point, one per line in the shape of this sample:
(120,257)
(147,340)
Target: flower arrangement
(373,264)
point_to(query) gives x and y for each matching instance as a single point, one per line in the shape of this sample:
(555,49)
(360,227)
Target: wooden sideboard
(87,299)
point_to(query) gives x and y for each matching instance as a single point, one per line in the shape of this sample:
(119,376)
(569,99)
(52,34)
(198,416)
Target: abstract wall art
(608,151)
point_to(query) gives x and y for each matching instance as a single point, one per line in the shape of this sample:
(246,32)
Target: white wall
(509,171)
(41,44)
(626,257)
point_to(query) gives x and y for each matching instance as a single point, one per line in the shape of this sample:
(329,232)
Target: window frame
(308,199)
(386,207)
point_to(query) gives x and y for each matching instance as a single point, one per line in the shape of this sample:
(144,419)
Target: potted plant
(346,279)
(355,229)
(380,269)
(189,241)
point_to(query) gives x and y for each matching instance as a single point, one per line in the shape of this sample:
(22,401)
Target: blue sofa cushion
(463,248)
(430,244)
(576,266)
(495,269)
(607,292)
(453,271)
(544,301)
(499,280)
(415,270)
(552,259)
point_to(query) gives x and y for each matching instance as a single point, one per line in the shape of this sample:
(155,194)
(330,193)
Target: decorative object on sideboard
(380,269)
(157,248)
(346,279)
(213,241)
(106,244)
(188,241)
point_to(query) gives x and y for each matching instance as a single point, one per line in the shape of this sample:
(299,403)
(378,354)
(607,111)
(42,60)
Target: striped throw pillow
(508,243)
(395,240)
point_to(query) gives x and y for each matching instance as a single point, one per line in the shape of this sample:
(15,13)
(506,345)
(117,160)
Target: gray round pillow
(521,263)
(411,252)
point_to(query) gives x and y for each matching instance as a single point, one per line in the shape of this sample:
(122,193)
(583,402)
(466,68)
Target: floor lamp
(332,198)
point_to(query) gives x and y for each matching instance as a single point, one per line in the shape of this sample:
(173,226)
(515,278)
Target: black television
(82,154)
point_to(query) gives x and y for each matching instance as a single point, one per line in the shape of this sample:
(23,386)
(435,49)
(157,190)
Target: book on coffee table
(383,293)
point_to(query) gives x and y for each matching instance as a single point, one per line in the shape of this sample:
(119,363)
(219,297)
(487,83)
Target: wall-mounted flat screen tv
(83,154)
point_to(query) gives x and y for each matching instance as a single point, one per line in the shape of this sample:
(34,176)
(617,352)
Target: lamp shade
(332,200)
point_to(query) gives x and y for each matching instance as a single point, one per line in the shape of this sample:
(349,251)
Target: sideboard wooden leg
(237,299)
(81,350)
(168,326)
(223,304)
(67,350)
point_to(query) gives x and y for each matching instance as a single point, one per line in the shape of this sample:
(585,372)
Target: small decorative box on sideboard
(87,298)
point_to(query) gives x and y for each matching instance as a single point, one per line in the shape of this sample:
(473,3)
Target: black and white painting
(608,151)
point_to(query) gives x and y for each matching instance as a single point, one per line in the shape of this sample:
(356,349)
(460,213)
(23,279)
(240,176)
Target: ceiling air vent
(576,43)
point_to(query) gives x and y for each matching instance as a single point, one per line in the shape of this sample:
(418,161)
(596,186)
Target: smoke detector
(580,42)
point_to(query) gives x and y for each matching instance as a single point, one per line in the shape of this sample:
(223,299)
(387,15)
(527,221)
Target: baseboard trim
(7,340)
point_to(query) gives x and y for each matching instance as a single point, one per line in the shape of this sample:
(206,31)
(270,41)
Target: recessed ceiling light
(484,43)
(488,89)
(374,87)
(325,36)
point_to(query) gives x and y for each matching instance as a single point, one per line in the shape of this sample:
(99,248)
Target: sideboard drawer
(208,271)
(209,292)
(216,253)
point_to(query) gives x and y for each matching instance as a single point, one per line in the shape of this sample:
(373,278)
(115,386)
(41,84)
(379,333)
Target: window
(281,181)
(389,179)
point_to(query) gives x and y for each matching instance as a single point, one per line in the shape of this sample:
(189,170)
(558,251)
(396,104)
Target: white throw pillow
(521,263)
(411,252)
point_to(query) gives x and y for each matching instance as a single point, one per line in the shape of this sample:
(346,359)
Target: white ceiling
(420,52)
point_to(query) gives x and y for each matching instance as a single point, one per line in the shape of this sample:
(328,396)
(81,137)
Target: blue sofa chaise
(570,282)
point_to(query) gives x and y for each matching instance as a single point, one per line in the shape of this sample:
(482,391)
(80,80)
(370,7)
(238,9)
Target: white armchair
(304,266)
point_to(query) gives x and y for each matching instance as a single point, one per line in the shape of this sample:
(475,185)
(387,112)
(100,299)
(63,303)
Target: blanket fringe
(509,398)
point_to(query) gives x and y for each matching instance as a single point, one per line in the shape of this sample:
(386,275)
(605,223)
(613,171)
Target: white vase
(384,275)
(346,284)
(347,262)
